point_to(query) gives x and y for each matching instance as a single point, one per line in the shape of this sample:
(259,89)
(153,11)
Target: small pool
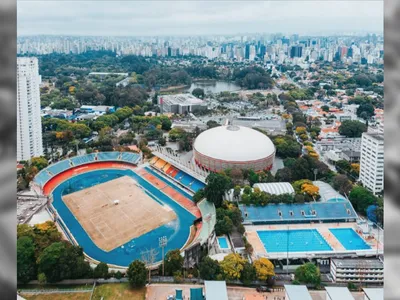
(296,240)
(223,242)
(349,239)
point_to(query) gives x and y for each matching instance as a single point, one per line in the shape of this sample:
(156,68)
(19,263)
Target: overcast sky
(137,18)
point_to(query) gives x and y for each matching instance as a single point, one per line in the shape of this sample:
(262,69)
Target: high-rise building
(372,161)
(247,52)
(29,124)
(296,51)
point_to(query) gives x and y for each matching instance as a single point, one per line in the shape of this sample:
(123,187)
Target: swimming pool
(349,239)
(177,231)
(223,242)
(299,240)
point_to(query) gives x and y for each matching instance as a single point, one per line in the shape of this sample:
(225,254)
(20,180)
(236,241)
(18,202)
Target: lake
(214,86)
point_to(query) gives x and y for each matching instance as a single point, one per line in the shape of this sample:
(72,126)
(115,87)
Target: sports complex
(116,208)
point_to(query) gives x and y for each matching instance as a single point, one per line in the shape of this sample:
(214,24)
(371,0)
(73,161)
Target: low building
(181,103)
(97,108)
(364,271)
(297,292)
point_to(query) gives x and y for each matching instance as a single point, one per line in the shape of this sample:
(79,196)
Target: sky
(160,18)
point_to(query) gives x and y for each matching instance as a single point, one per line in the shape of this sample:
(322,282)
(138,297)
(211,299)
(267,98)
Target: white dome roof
(234,143)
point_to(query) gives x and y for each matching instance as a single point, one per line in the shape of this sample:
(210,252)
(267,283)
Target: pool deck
(323,229)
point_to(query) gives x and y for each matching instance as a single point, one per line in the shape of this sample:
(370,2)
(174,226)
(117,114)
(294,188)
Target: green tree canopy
(173,262)
(361,198)
(101,270)
(26,266)
(308,273)
(136,273)
(352,129)
(209,268)
(217,185)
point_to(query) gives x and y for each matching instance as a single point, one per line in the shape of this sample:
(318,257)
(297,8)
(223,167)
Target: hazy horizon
(195,18)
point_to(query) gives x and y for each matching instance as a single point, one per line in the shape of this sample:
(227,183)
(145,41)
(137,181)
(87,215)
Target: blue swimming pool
(349,239)
(177,231)
(299,240)
(223,242)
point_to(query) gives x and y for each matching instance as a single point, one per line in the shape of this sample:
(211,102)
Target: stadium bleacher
(189,181)
(292,213)
(104,156)
(46,174)
(59,167)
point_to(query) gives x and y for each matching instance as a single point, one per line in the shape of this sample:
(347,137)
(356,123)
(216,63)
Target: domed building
(233,147)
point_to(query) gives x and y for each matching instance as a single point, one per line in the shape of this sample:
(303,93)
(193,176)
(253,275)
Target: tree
(173,262)
(199,195)
(26,266)
(209,268)
(361,198)
(264,268)
(308,273)
(342,184)
(217,185)
(39,162)
(136,273)
(232,266)
(101,271)
(365,111)
(325,108)
(223,226)
(352,129)
(198,92)
(212,124)
(248,274)
(49,262)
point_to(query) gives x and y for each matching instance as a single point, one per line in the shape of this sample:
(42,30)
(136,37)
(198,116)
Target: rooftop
(216,290)
(297,292)
(338,293)
(358,263)
(376,136)
(373,293)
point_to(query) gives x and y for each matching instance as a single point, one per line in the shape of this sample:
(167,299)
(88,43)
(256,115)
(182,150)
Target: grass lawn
(64,296)
(118,291)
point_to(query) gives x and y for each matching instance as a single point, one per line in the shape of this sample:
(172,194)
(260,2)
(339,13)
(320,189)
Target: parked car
(263,289)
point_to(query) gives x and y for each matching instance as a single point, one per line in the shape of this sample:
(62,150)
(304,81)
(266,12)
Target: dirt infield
(110,225)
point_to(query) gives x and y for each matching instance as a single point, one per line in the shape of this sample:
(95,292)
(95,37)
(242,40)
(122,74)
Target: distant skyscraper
(29,124)
(247,52)
(296,51)
(372,161)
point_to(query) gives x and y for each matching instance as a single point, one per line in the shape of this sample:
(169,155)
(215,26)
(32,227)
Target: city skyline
(196,18)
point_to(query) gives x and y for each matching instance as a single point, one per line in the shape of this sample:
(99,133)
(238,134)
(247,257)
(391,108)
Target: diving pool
(349,239)
(296,240)
(177,231)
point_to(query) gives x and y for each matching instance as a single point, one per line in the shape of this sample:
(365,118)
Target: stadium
(230,147)
(117,208)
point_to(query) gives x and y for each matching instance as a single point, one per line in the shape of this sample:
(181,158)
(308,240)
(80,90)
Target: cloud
(136,18)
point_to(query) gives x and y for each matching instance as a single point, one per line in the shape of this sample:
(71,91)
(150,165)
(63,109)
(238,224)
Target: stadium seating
(172,171)
(105,156)
(160,164)
(84,159)
(59,167)
(130,157)
(189,181)
(42,177)
(166,167)
(307,212)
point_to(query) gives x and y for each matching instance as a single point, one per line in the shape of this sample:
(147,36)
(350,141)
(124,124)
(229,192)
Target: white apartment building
(372,161)
(29,124)
(364,271)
